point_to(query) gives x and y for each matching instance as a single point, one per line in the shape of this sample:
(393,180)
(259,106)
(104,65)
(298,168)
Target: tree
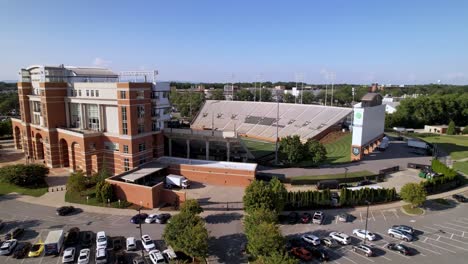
(308,97)
(244,95)
(265,95)
(413,193)
(106,192)
(258,195)
(97,191)
(5,128)
(24,175)
(465,130)
(277,258)
(76,182)
(279,194)
(316,151)
(289,98)
(257,216)
(264,239)
(291,149)
(217,94)
(191,206)
(187,233)
(451,129)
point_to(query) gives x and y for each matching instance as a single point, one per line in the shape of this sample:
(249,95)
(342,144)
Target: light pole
(367,217)
(277,128)
(141,231)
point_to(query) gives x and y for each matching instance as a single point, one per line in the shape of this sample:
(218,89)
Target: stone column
(207,146)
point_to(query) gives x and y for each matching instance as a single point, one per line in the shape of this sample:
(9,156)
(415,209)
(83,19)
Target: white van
(101,255)
(101,239)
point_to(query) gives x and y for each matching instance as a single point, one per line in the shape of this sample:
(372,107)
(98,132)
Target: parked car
(36,250)
(65,210)
(101,255)
(21,250)
(319,254)
(156,257)
(68,255)
(72,236)
(301,253)
(117,244)
(343,217)
(329,242)
(318,218)
(400,248)
(341,238)
(460,198)
(361,233)
(138,218)
(364,183)
(83,258)
(400,234)
(292,218)
(151,218)
(8,246)
(131,244)
(305,218)
(148,243)
(311,239)
(162,218)
(404,228)
(327,184)
(138,260)
(364,250)
(87,238)
(169,254)
(101,239)
(15,234)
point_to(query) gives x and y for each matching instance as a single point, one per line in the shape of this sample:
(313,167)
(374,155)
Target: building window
(92,93)
(124,120)
(142,161)
(141,128)
(140,111)
(97,93)
(141,147)
(154,126)
(125,149)
(75,115)
(126,165)
(93,117)
(79,92)
(140,94)
(111,146)
(123,94)
(87,92)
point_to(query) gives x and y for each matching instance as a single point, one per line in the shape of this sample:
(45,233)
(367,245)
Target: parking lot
(441,235)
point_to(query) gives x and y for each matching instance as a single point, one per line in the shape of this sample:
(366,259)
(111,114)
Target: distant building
(230,91)
(439,129)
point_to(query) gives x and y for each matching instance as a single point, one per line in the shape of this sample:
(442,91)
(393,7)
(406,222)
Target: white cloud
(100,62)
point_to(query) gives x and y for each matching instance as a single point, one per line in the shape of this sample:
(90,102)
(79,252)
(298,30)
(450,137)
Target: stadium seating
(258,119)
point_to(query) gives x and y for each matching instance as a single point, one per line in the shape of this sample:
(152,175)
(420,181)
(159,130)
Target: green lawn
(80,198)
(333,176)
(6,188)
(259,148)
(413,211)
(461,166)
(456,146)
(340,150)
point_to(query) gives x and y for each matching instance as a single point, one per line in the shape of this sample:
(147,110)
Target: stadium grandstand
(258,119)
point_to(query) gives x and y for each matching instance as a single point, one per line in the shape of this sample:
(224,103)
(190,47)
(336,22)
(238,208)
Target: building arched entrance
(64,157)
(18,138)
(39,147)
(75,156)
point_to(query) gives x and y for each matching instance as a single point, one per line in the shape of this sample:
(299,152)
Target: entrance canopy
(143,172)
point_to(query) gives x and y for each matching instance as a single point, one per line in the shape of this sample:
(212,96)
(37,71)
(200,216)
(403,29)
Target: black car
(65,210)
(87,238)
(15,234)
(460,198)
(21,250)
(162,218)
(138,218)
(319,254)
(364,183)
(73,236)
(293,217)
(400,248)
(305,218)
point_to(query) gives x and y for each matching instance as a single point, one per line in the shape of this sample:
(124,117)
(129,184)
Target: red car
(305,218)
(301,253)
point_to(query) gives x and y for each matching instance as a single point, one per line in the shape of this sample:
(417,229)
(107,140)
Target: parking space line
(448,227)
(460,222)
(464,227)
(386,249)
(397,216)
(362,256)
(448,244)
(343,256)
(412,244)
(372,215)
(439,247)
(383,215)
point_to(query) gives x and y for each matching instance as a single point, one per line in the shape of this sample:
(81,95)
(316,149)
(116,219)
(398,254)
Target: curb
(406,213)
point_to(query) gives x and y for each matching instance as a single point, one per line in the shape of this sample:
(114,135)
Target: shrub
(107,192)
(465,130)
(24,175)
(413,193)
(76,182)
(451,129)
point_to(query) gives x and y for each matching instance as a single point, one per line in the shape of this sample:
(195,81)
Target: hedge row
(448,181)
(378,178)
(308,200)
(32,175)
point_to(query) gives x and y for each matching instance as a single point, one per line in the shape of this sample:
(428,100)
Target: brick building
(85,118)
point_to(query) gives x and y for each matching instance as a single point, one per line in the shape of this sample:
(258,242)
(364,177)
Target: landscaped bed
(407,208)
(88,197)
(350,177)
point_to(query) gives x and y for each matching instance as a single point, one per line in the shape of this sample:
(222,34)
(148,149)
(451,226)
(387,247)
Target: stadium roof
(258,119)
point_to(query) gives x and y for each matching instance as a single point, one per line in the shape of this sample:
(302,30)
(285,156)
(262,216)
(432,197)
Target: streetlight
(141,231)
(367,217)
(277,127)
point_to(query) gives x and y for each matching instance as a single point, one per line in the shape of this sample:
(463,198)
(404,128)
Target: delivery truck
(177,180)
(417,144)
(53,243)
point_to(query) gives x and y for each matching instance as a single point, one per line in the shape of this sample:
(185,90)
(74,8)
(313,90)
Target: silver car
(400,234)
(405,228)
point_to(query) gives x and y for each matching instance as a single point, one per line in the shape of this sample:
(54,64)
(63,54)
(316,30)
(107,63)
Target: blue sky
(397,42)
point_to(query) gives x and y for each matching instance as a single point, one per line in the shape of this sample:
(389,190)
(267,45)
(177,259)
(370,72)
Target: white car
(156,257)
(8,246)
(169,252)
(311,239)
(400,234)
(361,233)
(101,255)
(151,218)
(131,244)
(101,239)
(148,243)
(83,258)
(318,218)
(68,255)
(341,238)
